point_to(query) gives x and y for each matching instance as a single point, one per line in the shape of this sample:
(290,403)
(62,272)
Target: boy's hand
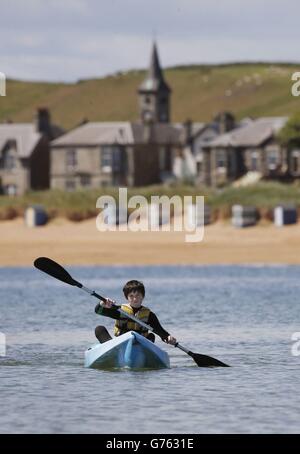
(171,340)
(107,303)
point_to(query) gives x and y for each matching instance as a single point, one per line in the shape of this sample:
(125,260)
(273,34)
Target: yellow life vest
(124,324)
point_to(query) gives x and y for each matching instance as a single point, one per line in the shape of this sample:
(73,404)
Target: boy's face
(135,299)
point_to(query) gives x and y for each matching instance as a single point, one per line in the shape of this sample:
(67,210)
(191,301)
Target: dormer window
(8,160)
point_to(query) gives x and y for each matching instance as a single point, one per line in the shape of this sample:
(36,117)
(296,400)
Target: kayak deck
(128,350)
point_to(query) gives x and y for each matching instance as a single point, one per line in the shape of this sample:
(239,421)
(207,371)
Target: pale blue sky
(67,40)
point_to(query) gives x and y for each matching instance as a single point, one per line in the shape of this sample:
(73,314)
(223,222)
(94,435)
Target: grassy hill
(199,92)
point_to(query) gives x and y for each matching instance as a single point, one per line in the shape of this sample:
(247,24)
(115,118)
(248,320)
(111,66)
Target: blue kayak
(128,350)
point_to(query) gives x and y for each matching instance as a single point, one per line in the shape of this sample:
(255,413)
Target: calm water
(244,316)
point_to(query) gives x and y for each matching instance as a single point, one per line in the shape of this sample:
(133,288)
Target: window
(221,159)
(199,167)
(295,161)
(106,159)
(162,158)
(10,189)
(111,158)
(116,159)
(254,161)
(8,160)
(85,180)
(200,155)
(163,116)
(272,159)
(71,159)
(70,185)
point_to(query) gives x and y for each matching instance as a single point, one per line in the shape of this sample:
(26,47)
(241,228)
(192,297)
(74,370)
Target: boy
(134,292)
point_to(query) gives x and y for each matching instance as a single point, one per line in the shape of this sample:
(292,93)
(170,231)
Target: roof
(252,134)
(154,80)
(24,134)
(123,133)
(196,128)
(96,133)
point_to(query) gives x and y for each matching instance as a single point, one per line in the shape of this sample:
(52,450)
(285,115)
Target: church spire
(154,92)
(154,80)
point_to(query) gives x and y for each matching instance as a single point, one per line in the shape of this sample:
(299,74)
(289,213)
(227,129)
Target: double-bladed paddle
(55,270)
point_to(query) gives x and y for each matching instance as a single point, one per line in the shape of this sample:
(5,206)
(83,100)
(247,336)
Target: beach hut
(197,219)
(244,216)
(35,216)
(285,215)
(158,215)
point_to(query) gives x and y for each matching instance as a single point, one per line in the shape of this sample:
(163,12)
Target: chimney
(43,122)
(225,121)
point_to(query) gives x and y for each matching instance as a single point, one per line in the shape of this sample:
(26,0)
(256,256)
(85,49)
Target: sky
(67,40)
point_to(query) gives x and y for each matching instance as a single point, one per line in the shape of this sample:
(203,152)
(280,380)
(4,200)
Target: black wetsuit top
(152,321)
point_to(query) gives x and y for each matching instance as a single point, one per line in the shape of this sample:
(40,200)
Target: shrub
(8,213)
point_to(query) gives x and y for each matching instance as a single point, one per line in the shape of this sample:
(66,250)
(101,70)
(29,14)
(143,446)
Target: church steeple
(154,93)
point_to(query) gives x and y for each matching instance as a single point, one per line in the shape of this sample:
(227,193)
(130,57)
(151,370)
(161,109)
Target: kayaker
(134,292)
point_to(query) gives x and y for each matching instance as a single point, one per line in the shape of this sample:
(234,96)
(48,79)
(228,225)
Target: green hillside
(198,92)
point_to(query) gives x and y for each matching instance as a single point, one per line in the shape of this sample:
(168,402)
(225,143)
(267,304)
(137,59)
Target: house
(25,154)
(250,147)
(102,154)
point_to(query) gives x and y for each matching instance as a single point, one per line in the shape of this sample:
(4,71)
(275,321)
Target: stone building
(25,154)
(251,147)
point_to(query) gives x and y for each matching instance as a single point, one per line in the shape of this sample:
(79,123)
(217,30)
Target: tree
(289,135)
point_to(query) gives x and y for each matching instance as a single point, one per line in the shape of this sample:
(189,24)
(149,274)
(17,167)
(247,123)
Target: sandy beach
(82,244)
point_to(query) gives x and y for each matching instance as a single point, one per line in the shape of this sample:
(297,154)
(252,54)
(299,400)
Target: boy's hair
(133,286)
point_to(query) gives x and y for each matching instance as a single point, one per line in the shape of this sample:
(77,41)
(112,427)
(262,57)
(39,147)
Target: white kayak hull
(128,350)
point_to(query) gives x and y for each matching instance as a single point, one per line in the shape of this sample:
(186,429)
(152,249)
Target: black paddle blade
(55,270)
(206,361)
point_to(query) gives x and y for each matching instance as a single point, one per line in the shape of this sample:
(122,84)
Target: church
(145,152)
